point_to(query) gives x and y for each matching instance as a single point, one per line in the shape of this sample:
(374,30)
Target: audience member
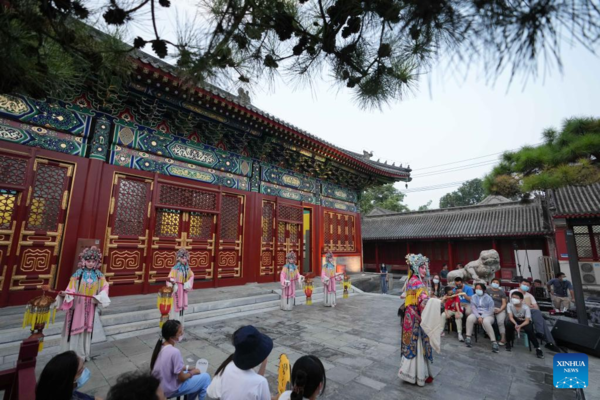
(452,309)
(500,301)
(136,386)
(524,288)
(519,318)
(437,290)
(308,379)
(561,291)
(235,379)
(482,307)
(465,291)
(383,273)
(444,271)
(60,377)
(459,266)
(176,379)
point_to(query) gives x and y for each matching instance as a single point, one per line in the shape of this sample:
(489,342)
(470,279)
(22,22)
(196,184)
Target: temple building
(145,169)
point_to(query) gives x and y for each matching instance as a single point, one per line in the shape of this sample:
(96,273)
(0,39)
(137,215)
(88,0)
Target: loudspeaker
(585,339)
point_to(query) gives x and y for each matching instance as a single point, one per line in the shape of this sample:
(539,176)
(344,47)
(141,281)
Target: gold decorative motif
(13,105)
(123,259)
(267,259)
(126,136)
(163,259)
(291,180)
(227,259)
(200,259)
(36,260)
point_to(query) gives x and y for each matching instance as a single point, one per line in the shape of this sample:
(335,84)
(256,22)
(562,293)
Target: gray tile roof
(380,211)
(505,219)
(574,201)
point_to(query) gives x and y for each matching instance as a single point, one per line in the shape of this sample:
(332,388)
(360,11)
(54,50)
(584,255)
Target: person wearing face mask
(437,290)
(561,291)
(519,319)
(61,376)
(500,302)
(482,307)
(166,364)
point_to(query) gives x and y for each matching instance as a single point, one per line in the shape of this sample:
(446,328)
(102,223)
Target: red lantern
(38,313)
(308,291)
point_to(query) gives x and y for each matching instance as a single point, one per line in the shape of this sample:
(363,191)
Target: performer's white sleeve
(188,285)
(103,299)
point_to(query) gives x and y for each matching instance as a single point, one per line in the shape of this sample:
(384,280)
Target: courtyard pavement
(358,342)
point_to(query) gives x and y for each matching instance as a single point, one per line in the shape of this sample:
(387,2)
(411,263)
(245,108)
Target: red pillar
(450,256)
(377,267)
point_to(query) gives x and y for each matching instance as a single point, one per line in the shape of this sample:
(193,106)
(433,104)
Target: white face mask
(516,301)
(436,281)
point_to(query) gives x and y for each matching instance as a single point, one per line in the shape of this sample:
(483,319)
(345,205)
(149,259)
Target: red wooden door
(268,237)
(167,238)
(231,234)
(125,247)
(289,234)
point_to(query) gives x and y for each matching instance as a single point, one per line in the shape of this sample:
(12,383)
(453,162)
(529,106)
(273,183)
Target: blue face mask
(495,285)
(85,376)
(525,288)
(479,292)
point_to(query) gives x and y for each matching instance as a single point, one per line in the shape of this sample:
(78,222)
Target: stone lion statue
(481,270)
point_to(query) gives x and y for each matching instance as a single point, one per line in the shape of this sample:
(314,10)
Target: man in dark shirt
(444,271)
(561,291)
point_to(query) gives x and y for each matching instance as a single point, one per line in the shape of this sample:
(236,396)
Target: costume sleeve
(189,284)
(422,299)
(67,302)
(283,276)
(102,296)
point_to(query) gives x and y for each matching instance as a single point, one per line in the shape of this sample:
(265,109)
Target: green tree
(468,194)
(570,156)
(385,196)
(375,48)
(425,207)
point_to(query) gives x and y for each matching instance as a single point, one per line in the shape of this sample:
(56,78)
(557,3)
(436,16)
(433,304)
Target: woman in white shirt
(308,379)
(235,379)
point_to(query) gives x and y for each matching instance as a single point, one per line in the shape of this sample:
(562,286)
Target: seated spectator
(528,298)
(459,266)
(465,291)
(61,376)
(308,379)
(444,271)
(482,307)
(136,386)
(452,308)
(519,319)
(176,379)
(538,290)
(437,290)
(235,379)
(561,291)
(500,301)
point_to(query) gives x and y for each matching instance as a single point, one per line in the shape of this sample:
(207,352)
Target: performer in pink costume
(289,278)
(329,277)
(182,278)
(90,282)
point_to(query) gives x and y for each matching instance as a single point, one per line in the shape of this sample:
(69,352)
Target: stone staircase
(137,315)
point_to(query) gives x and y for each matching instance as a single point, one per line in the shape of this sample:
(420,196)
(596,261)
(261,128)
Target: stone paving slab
(358,344)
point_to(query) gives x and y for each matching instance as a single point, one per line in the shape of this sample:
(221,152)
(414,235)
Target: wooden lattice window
(13,170)
(338,232)
(267,223)
(290,214)
(8,201)
(230,218)
(177,196)
(167,222)
(281,232)
(201,225)
(47,197)
(131,208)
(587,239)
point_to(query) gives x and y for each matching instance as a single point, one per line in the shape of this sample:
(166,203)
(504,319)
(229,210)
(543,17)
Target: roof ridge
(450,209)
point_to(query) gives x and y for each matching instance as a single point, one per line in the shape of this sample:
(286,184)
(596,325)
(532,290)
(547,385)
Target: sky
(444,121)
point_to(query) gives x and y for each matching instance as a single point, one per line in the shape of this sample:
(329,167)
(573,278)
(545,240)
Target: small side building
(458,235)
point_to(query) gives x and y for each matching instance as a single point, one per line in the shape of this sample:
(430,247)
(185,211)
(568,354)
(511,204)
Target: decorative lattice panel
(201,225)
(291,214)
(47,197)
(584,245)
(12,170)
(338,232)
(267,223)
(167,222)
(294,233)
(281,232)
(230,218)
(177,196)
(131,208)
(8,201)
